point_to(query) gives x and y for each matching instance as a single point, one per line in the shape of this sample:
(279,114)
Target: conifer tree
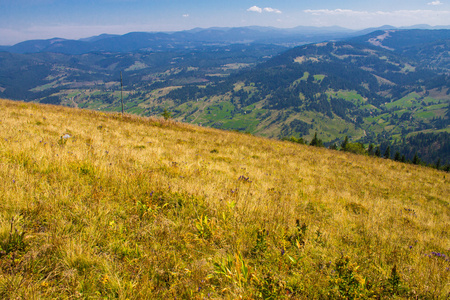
(378,151)
(370,150)
(344,143)
(438,163)
(387,153)
(316,141)
(166,114)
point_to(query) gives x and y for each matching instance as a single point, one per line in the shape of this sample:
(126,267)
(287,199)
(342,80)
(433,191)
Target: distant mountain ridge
(166,41)
(169,41)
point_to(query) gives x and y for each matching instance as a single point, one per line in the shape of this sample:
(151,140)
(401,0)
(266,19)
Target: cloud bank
(437,2)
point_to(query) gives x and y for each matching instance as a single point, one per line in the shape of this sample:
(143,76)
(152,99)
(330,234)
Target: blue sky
(41,19)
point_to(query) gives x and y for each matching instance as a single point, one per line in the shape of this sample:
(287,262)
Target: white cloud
(266,9)
(437,2)
(255,9)
(185,15)
(272,10)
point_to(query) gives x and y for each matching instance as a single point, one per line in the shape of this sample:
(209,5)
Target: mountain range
(197,37)
(382,86)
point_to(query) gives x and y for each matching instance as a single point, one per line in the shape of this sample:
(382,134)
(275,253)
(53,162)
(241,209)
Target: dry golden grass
(138,208)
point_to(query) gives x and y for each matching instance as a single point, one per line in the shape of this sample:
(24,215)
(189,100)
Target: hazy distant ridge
(163,41)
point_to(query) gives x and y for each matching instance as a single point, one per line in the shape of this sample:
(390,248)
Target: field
(102,206)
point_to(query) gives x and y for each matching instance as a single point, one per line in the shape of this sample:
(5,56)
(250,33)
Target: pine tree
(438,163)
(166,114)
(316,141)
(378,151)
(344,143)
(371,149)
(387,153)
(397,156)
(416,159)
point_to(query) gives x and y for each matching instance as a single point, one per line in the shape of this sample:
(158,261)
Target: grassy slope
(136,208)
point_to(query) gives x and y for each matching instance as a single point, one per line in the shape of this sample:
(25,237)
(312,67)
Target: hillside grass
(143,208)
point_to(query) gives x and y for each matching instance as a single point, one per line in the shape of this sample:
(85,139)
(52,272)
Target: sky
(43,19)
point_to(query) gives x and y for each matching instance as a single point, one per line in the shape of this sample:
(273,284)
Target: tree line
(414,150)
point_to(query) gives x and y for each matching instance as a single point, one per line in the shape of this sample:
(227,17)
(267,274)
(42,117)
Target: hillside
(430,47)
(338,89)
(56,77)
(96,205)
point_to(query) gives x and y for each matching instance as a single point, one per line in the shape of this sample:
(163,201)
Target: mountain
(168,41)
(374,29)
(400,40)
(197,37)
(98,37)
(100,205)
(429,47)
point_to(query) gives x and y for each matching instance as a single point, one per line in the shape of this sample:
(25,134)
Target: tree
(344,143)
(438,163)
(387,153)
(397,156)
(166,114)
(416,159)
(371,149)
(316,141)
(378,151)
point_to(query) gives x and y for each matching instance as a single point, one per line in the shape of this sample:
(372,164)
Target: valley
(382,94)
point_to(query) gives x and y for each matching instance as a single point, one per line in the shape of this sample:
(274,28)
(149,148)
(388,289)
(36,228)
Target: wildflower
(14,181)
(282,251)
(410,247)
